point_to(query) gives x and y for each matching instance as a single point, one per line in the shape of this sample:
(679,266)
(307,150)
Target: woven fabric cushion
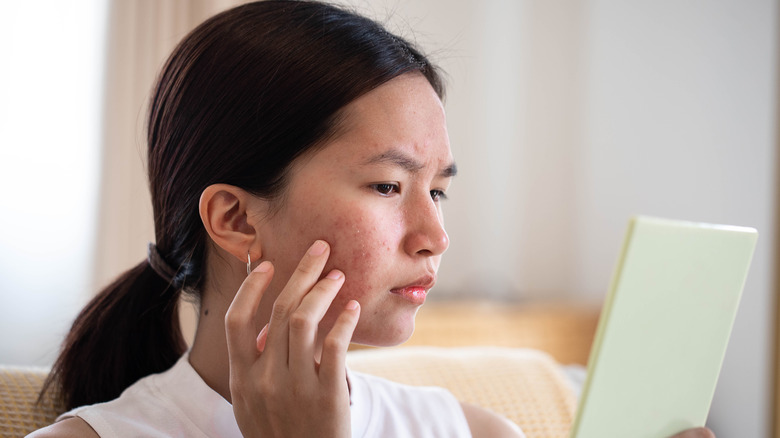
(20,413)
(526,386)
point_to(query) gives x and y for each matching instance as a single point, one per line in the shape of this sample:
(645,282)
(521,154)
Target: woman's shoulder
(486,423)
(176,402)
(89,420)
(69,427)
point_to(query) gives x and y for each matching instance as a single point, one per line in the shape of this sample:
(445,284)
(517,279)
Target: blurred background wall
(566,117)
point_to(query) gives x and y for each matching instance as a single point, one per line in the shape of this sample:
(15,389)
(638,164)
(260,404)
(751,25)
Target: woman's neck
(209,353)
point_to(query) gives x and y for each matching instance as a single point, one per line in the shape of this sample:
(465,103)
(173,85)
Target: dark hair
(241,97)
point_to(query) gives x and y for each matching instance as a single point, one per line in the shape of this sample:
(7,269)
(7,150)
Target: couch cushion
(20,413)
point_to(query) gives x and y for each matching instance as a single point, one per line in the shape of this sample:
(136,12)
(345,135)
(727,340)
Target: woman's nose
(425,230)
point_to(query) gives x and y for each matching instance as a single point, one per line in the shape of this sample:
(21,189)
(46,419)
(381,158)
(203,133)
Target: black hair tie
(159,265)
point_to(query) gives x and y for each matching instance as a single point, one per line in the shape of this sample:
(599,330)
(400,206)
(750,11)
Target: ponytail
(128,331)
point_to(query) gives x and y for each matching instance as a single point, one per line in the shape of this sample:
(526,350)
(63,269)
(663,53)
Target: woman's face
(374,194)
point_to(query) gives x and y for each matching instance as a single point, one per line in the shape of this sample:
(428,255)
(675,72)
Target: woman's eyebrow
(449,171)
(397,158)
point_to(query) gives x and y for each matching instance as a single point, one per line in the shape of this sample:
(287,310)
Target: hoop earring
(248,264)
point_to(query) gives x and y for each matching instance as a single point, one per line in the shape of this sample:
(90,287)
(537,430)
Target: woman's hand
(699,432)
(277,387)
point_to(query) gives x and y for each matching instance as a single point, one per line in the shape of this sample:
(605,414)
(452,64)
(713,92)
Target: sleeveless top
(178,403)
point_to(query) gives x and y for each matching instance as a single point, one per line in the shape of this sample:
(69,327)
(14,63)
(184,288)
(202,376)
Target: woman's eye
(438,195)
(385,189)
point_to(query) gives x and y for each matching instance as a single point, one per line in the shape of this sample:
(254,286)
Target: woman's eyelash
(438,195)
(386,188)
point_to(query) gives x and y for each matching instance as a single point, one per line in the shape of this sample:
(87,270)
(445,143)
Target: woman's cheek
(363,253)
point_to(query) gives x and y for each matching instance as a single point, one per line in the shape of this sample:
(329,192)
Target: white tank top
(178,403)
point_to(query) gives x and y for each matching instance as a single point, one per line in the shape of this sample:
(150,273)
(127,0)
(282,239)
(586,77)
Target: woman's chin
(388,335)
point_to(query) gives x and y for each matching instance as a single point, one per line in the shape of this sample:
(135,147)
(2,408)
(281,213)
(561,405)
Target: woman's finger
(240,317)
(699,432)
(305,321)
(335,345)
(301,282)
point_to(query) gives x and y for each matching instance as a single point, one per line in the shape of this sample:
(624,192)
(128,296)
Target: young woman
(298,157)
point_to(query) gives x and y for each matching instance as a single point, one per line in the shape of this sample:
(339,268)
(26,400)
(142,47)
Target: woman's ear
(223,211)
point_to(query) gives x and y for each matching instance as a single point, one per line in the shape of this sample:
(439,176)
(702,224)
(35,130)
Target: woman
(298,155)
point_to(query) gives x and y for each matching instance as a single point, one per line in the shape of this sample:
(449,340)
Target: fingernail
(334,274)
(261,338)
(352,305)
(318,248)
(263,267)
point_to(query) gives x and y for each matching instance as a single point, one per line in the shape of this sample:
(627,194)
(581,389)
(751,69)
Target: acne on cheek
(359,249)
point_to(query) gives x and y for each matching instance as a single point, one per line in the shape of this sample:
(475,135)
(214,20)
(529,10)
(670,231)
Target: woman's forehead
(403,116)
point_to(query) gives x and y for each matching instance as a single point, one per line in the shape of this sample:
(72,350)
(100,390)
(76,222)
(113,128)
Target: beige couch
(525,385)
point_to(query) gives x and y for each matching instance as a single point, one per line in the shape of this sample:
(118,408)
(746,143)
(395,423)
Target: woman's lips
(413,294)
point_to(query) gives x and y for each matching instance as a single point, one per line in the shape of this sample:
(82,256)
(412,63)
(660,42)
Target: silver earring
(248,263)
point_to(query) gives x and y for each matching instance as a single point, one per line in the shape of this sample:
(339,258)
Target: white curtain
(50,80)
